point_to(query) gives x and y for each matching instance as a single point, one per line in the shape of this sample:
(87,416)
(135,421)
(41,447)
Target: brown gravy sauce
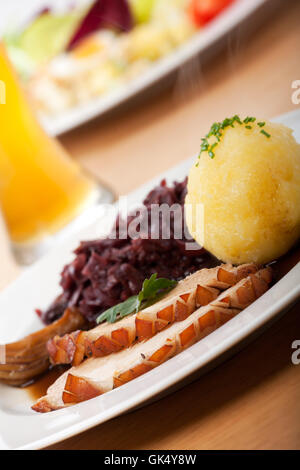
(39,386)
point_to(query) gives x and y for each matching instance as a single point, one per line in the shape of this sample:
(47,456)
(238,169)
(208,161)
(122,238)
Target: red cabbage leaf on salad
(103,13)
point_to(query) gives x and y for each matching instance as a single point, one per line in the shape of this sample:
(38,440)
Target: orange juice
(41,188)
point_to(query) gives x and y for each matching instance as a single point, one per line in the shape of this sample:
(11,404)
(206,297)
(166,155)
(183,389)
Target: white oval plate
(199,43)
(21,428)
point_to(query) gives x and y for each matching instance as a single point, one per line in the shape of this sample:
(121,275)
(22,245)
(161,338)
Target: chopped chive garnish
(265,133)
(216,132)
(249,119)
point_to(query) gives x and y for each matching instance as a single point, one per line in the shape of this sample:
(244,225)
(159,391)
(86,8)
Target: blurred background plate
(208,40)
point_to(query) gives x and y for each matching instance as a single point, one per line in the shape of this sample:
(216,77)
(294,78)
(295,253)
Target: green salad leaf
(142,9)
(42,39)
(152,291)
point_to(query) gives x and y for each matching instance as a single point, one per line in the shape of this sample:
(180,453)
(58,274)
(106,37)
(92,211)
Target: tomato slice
(203,11)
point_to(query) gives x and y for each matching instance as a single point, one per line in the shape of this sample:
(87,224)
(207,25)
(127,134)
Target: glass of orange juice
(41,188)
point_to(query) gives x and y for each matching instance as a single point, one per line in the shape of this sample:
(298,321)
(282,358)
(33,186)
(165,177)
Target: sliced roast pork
(191,293)
(96,376)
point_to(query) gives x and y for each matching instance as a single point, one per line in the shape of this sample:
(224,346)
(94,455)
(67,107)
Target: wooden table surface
(252,401)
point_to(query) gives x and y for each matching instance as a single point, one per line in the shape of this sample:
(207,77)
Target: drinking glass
(41,188)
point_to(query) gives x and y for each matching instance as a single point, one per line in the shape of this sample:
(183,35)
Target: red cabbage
(106,272)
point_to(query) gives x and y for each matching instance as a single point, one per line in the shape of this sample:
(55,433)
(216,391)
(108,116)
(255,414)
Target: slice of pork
(28,357)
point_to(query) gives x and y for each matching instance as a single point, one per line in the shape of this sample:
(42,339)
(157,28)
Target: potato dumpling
(250,192)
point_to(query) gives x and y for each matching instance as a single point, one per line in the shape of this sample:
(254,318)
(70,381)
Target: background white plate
(206,39)
(22,428)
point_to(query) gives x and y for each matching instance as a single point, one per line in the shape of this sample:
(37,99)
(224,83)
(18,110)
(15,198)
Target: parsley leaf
(153,289)
(119,311)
